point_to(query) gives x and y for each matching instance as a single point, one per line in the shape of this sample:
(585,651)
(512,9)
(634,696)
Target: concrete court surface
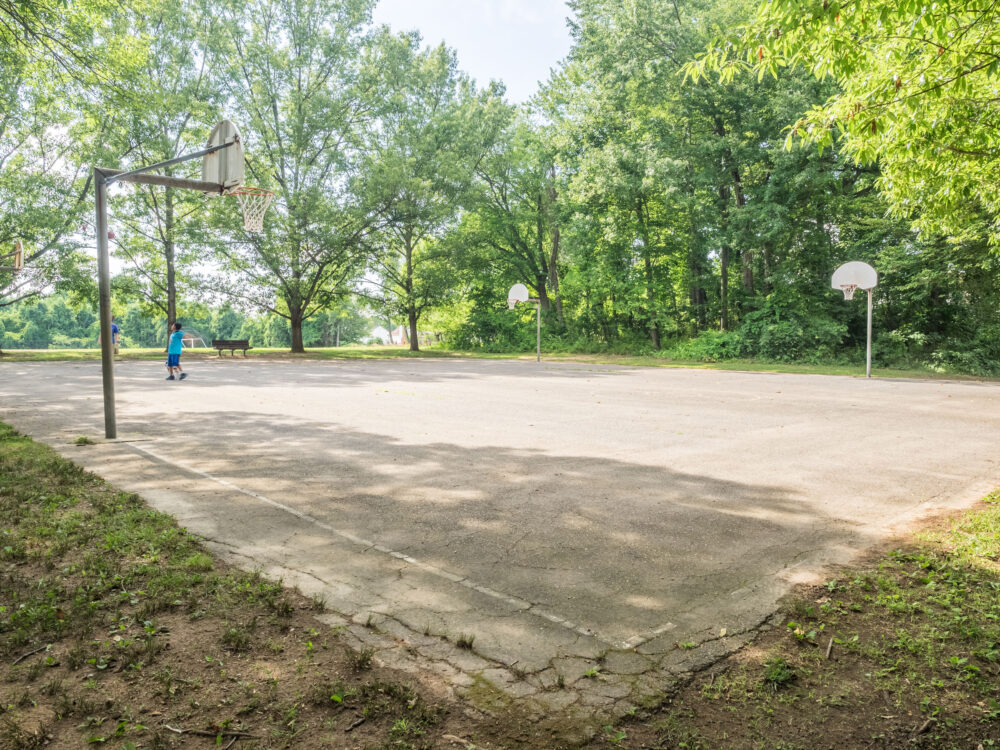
(551,511)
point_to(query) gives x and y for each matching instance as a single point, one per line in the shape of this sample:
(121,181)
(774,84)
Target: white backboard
(224,167)
(517,293)
(854,273)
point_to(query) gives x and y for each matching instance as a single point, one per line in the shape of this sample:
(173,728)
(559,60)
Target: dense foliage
(917,92)
(648,205)
(57,323)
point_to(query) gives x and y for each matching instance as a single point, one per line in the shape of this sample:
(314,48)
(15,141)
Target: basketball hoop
(254,203)
(849,277)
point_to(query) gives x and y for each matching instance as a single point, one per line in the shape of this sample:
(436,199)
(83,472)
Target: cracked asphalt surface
(551,511)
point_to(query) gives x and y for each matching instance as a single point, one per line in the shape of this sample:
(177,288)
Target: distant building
(399,336)
(378,335)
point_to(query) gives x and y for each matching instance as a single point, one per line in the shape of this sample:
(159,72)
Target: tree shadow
(620,548)
(363,372)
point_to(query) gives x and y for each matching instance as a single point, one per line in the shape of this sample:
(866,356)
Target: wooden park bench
(232,345)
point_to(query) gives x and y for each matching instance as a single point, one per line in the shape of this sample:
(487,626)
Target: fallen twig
(233,742)
(923,727)
(356,724)
(829,648)
(220,733)
(22,657)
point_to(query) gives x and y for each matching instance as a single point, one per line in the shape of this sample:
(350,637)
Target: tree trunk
(766,259)
(411,304)
(647,259)
(411,314)
(554,277)
(724,290)
(543,295)
(168,256)
(553,196)
(654,327)
(697,297)
(297,346)
(746,256)
(295,321)
(724,259)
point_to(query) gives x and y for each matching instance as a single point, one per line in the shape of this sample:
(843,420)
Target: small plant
(687,644)
(614,736)
(778,672)
(465,641)
(362,660)
(83,440)
(800,632)
(592,673)
(239,637)
(198,562)
(318,603)
(329,692)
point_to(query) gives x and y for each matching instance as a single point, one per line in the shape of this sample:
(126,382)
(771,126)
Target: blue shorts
(173,360)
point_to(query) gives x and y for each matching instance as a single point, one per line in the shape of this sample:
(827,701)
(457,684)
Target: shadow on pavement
(618,547)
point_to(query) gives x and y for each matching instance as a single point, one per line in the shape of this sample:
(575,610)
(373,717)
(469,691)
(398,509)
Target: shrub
(784,332)
(709,346)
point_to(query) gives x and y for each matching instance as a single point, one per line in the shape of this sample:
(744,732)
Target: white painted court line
(516,602)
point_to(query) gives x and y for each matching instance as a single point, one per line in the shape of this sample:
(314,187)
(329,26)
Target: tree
(295,79)
(513,211)
(61,34)
(164,227)
(42,178)
(917,94)
(51,83)
(432,133)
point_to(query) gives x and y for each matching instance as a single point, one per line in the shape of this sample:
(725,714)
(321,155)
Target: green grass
(397,352)
(110,611)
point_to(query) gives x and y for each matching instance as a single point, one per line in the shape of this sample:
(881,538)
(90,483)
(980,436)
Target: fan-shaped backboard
(225,166)
(854,273)
(517,293)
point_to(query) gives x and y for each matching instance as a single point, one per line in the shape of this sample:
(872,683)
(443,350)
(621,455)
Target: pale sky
(516,41)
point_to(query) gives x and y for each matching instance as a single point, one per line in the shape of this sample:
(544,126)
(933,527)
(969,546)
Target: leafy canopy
(918,91)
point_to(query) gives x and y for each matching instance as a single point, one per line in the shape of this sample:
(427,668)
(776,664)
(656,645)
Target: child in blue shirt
(174,349)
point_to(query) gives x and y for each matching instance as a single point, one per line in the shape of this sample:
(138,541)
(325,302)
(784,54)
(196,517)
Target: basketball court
(550,511)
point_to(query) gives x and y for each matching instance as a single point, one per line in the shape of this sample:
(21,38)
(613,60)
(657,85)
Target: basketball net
(849,290)
(254,203)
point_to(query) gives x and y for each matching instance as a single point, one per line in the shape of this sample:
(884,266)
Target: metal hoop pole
(868,359)
(168,162)
(538,331)
(104,295)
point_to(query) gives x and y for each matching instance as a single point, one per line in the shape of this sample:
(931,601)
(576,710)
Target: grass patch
(396,352)
(903,652)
